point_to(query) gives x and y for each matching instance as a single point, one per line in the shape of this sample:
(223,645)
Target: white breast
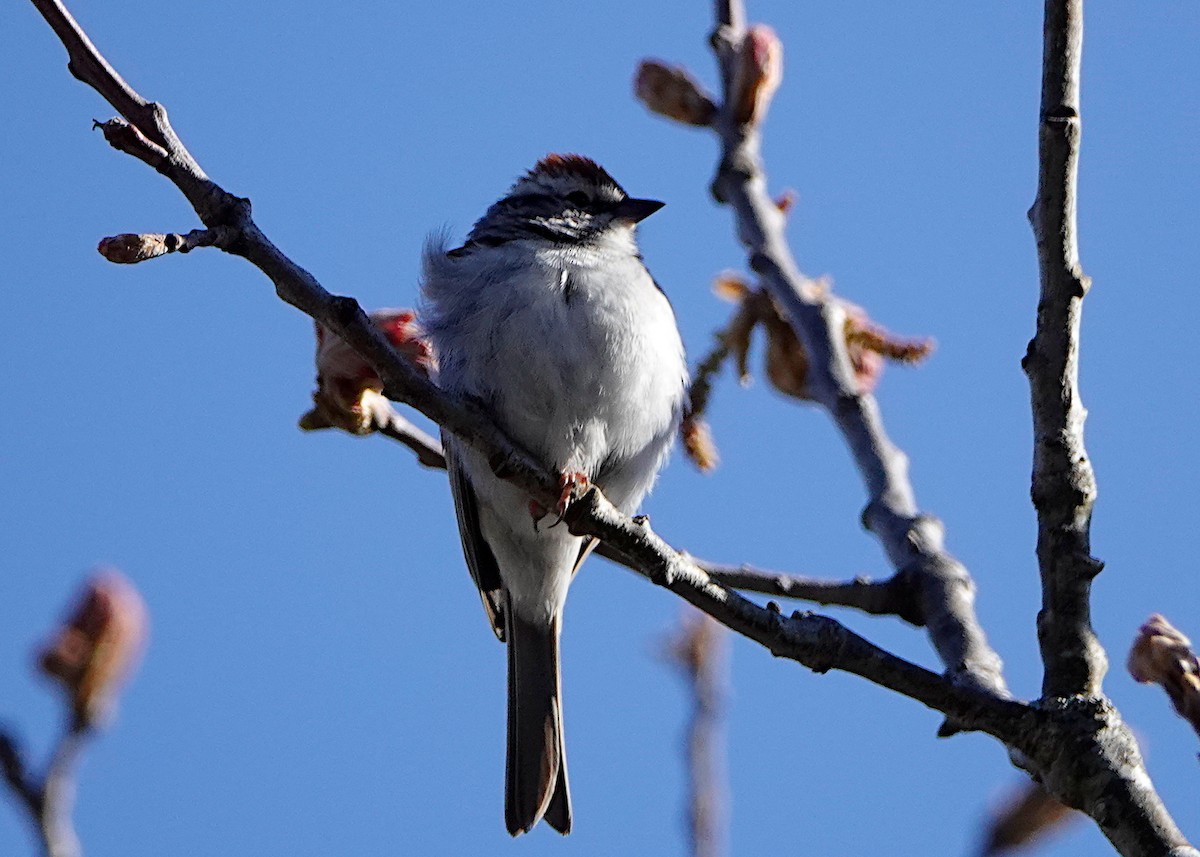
(575,349)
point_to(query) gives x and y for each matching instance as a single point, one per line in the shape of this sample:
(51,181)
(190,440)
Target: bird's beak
(636,210)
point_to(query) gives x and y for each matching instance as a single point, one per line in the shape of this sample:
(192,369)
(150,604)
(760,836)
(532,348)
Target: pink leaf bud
(1163,655)
(129,249)
(670,91)
(786,201)
(96,648)
(698,443)
(757,74)
(349,392)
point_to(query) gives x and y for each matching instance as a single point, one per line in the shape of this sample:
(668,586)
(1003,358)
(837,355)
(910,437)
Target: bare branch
(891,597)
(162,148)
(218,208)
(914,541)
(88,66)
(880,597)
(131,248)
(702,379)
(16,774)
(58,795)
(1064,486)
(125,138)
(818,642)
(1108,781)
(428,449)
(49,802)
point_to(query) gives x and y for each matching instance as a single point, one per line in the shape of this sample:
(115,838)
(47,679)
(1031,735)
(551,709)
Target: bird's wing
(481,562)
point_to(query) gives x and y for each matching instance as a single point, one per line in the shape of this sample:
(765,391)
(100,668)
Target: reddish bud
(96,648)
(670,91)
(1163,655)
(129,249)
(698,443)
(349,392)
(757,75)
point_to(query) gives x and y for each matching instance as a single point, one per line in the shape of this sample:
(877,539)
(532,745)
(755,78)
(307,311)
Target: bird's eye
(579,199)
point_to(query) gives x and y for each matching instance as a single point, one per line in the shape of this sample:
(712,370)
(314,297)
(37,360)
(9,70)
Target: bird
(548,318)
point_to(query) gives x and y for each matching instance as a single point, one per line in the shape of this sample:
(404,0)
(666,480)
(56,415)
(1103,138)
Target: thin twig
(428,449)
(16,774)
(50,801)
(1110,783)
(890,597)
(818,642)
(218,208)
(1064,486)
(702,378)
(58,794)
(131,248)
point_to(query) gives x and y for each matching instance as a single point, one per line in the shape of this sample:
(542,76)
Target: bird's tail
(536,773)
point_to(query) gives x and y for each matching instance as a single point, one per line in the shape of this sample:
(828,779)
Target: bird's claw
(573,485)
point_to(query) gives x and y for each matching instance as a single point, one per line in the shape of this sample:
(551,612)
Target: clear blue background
(321,679)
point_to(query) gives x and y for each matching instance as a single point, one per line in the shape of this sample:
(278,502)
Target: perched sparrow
(547,316)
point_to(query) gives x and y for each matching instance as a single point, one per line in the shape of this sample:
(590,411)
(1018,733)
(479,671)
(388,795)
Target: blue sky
(320,677)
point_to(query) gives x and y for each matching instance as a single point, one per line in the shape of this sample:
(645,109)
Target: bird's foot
(573,485)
